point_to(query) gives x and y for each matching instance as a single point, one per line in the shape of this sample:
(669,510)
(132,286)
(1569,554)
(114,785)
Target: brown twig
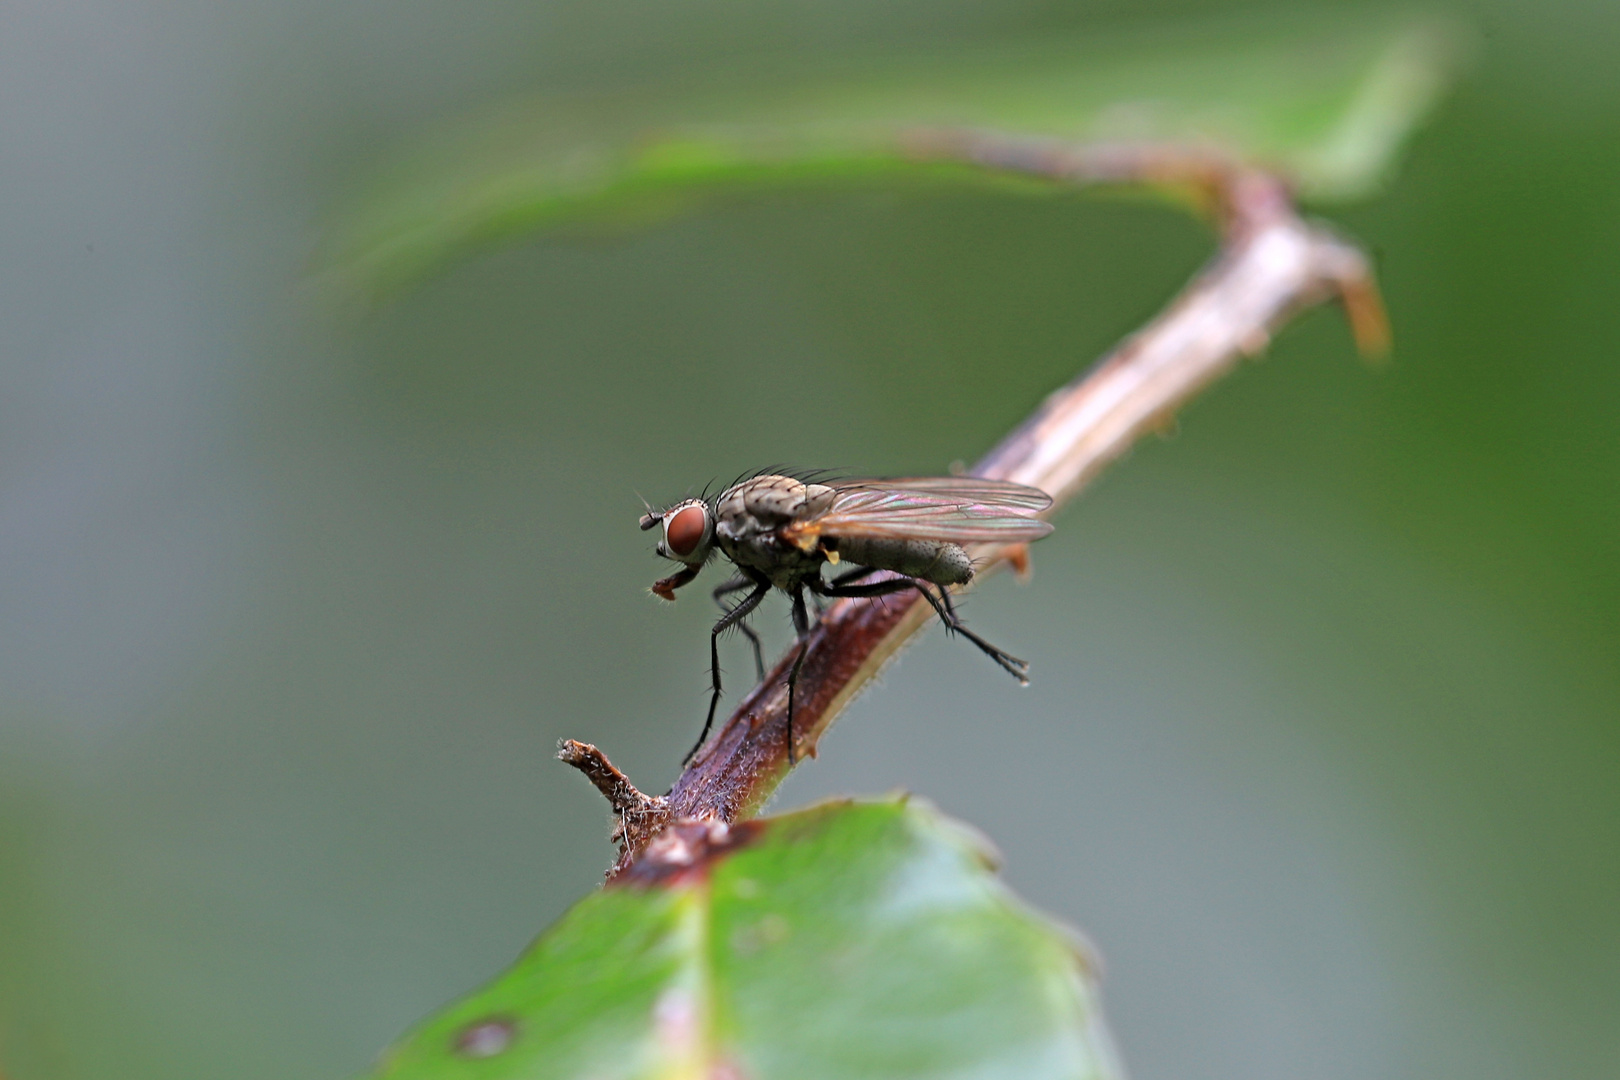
(641,817)
(1271,264)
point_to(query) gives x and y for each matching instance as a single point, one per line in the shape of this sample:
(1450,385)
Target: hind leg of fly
(727,621)
(849,576)
(1019,669)
(942,606)
(720,593)
(852,575)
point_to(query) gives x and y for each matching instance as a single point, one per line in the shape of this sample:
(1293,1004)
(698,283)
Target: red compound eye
(685,530)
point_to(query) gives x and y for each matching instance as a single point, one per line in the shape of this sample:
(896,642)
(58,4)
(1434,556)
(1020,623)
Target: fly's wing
(991,493)
(955,509)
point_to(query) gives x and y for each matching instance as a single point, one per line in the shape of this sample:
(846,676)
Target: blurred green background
(1323,741)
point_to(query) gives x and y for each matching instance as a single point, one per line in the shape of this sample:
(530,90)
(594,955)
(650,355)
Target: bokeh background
(1323,745)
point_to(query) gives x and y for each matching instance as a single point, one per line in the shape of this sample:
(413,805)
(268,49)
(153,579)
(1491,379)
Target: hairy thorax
(748,517)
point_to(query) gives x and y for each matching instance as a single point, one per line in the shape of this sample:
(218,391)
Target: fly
(778,531)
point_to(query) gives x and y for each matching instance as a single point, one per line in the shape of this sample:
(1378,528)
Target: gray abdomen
(931,560)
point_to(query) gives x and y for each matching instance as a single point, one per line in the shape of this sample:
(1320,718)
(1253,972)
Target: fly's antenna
(652,517)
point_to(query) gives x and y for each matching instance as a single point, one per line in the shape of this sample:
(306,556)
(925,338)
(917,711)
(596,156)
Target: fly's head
(688,538)
(688,531)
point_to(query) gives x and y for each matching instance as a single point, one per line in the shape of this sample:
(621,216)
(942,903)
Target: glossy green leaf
(848,940)
(1325,102)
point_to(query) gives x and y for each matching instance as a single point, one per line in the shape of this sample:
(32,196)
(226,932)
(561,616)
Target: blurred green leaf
(1325,102)
(844,941)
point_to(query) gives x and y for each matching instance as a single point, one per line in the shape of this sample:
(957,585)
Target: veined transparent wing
(956,509)
(1002,493)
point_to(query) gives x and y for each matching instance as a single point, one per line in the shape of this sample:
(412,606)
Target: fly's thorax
(748,516)
(931,560)
(768,553)
(766,503)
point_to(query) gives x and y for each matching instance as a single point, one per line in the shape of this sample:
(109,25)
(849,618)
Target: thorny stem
(1271,264)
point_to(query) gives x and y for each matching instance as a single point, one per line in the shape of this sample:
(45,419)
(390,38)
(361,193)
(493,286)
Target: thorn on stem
(621,794)
(1255,342)
(1018,558)
(1369,321)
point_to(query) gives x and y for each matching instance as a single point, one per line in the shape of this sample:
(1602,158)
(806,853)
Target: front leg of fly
(762,586)
(743,581)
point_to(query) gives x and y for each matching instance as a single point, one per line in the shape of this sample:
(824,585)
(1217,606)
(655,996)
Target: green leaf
(1326,102)
(848,940)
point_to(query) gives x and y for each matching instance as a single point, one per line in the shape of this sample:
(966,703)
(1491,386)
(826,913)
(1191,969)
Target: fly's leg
(1018,669)
(727,621)
(720,592)
(852,575)
(801,623)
